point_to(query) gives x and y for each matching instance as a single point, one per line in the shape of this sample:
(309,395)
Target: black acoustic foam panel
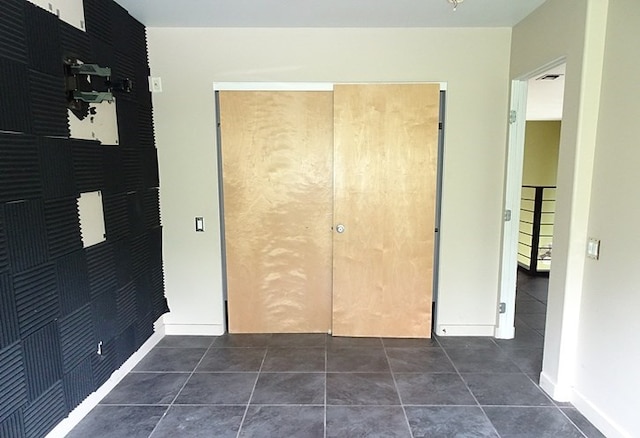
(48,104)
(36,298)
(15,112)
(77,338)
(127,306)
(63,227)
(97,14)
(56,167)
(78,384)
(43,39)
(87,165)
(105,315)
(26,234)
(43,414)
(42,374)
(57,299)
(13,426)
(101,269)
(19,167)
(75,44)
(9,329)
(72,281)
(13,44)
(13,385)
(116,216)
(113,170)
(103,365)
(4,261)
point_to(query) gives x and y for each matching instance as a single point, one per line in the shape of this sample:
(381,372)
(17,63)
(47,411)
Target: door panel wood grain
(277,177)
(385,166)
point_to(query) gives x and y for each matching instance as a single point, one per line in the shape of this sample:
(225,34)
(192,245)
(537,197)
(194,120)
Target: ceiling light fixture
(455,3)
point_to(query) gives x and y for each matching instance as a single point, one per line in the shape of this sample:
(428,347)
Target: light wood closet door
(386,142)
(277,178)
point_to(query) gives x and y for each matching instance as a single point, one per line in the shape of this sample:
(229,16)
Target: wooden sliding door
(385,165)
(329,209)
(277,181)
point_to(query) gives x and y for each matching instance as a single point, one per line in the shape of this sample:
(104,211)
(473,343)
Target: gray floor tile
(536,321)
(200,422)
(241,341)
(410,342)
(337,342)
(531,422)
(283,421)
(530,306)
(506,389)
(481,360)
(357,360)
(217,389)
(361,389)
(583,424)
(178,341)
(449,422)
(119,421)
(433,389)
(171,359)
(232,360)
(419,360)
(525,338)
(146,389)
(529,360)
(369,421)
(298,340)
(294,359)
(289,388)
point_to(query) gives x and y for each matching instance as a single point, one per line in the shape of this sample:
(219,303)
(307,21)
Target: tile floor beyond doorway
(319,386)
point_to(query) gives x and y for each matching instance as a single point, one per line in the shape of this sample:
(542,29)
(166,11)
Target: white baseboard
(505,332)
(194,329)
(75,416)
(557,392)
(465,330)
(598,418)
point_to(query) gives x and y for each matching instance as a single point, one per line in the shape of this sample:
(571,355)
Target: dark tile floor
(320,386)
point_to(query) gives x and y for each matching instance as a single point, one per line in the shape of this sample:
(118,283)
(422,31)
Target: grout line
(395,384)
(468,389)
(326,375)
(244,416)
(183,385)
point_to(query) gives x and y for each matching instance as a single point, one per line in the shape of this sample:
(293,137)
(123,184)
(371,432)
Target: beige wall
(473,62)
(607,376)
(541,143)
(591,346)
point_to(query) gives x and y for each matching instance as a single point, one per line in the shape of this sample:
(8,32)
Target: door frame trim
(321,86)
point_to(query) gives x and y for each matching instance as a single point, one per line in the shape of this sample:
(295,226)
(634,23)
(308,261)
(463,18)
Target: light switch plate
(593,248)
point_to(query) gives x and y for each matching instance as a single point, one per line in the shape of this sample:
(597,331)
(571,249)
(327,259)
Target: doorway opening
(534,134)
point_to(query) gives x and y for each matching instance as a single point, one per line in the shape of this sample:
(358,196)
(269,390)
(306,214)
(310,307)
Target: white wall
(541,38)
(591,345)
(607,373)
(474,63)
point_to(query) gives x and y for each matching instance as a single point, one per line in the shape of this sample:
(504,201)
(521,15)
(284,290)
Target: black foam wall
(59,300)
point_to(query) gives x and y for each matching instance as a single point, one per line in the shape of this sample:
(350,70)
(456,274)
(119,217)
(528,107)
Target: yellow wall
(473,62)
(541,143)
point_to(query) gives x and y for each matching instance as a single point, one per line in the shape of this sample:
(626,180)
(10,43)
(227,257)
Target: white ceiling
(545,97)
(328,13)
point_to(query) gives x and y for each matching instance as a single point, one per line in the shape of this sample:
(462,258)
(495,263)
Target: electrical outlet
(155,84)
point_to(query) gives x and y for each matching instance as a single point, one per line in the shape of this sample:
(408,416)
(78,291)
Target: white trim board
(292,86)
(194,329)
(83,409)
